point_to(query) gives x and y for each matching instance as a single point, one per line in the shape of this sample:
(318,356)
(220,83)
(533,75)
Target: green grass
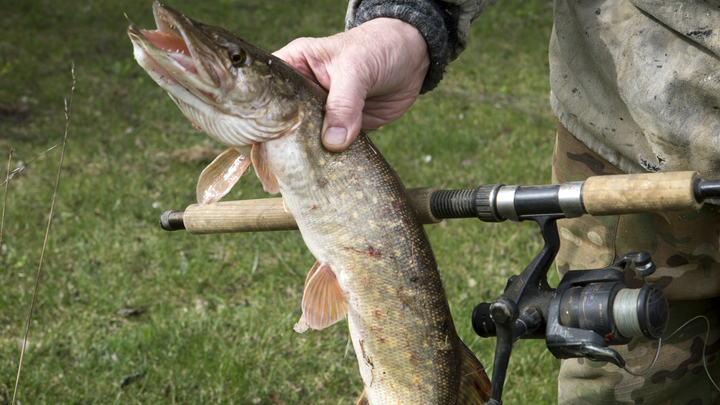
(220,308)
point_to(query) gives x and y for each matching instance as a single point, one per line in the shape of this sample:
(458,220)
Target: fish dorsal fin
(220,176)
(266,176)
(323,301)
(363,399)
(474,383)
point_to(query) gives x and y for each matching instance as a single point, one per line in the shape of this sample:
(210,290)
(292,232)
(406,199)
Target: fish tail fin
(474,383)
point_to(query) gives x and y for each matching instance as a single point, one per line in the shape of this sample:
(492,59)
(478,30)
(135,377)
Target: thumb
(343,111)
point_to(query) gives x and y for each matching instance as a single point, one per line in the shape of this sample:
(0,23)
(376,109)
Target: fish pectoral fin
(474,383)
(266,176)
(363,399)
(323,301)
(220,176)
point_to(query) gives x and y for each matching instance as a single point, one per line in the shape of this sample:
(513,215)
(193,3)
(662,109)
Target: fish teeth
(169,23)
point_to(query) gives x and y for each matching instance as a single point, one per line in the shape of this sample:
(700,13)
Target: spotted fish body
(374,260)
(354,215)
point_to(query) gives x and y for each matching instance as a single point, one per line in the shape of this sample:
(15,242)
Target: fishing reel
(589,310)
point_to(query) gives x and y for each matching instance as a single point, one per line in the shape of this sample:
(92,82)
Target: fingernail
(335,136)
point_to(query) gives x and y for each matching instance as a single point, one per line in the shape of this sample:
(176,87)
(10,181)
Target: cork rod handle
(634,193)
(270,214)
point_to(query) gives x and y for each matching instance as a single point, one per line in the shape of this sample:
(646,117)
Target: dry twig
(68,109)
(2,220)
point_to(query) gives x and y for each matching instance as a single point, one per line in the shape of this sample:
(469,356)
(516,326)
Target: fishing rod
(600,195)
(589,310)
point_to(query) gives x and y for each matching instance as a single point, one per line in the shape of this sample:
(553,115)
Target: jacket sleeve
(444,25)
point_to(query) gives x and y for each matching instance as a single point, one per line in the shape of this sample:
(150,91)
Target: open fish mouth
(170,54)
(223,85)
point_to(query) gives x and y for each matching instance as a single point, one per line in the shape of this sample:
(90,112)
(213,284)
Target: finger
(343,110)
(295,54)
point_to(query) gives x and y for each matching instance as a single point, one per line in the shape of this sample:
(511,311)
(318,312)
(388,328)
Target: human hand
(374,73)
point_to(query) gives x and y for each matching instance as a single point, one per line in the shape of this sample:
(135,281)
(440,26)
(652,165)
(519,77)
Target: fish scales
(374,260)
(399,320)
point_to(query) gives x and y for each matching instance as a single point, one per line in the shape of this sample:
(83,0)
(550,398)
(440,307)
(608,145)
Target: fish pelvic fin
(266,176)
(220,176)
(474,383)
(363,399)
(323,301)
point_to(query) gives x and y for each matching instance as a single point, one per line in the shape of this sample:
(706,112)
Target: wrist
(433,20)
(399,34)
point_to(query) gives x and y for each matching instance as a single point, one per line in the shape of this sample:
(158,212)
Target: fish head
(227,87)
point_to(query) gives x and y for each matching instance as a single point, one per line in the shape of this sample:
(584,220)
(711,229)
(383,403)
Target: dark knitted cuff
(436,21)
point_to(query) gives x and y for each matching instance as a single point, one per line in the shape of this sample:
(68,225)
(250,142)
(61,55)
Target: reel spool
(615,311)
(589,310)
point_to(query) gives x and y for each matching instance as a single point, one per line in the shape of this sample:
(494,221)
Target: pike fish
(374,261)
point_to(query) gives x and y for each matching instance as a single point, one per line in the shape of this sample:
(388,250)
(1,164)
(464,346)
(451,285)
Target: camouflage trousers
(684,247)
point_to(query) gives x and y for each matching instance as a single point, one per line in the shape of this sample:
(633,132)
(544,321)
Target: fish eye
(237,56)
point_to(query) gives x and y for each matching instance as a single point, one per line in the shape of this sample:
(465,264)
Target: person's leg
(684,247)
